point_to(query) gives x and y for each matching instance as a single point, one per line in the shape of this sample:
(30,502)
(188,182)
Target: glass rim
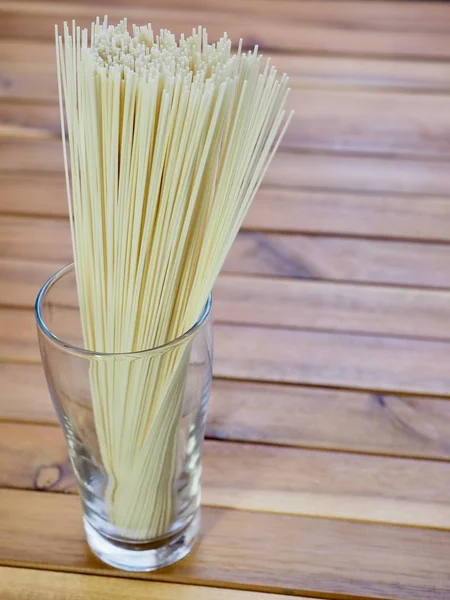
(84,352)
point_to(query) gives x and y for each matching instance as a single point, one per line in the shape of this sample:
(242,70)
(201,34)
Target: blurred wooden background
(326,463)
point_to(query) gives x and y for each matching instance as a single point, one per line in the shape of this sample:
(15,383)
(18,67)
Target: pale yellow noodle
(168,143)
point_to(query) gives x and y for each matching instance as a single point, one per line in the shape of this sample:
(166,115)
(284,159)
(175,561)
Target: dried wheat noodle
(168,142)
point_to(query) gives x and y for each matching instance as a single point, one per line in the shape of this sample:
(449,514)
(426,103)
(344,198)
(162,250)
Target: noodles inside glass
(167,143)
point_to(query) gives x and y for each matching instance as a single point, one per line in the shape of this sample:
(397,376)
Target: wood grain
(328,419)
(343,360)
(360,72)
(257,253)
(262,478)
(328,306)
(434,17)
(274,209)
(279,414)
(18,339)
(337,212)
(377,29)
(30,584)
(362,174)
(28,72)
(24,394)
(279,355)
(305,554)
(340,259)
(33,194)
(320,292)
(373,123)
(47,239)
(307,304)
(36,22)
(334,121)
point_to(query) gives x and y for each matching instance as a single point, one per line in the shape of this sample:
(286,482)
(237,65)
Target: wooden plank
(49,469)
(48,239)
(18,339)
(328,419)
(342,360)
(334,172)
(274,209)
(276,255)
(263,478)
(412,32)
(416,17)
(360,72)
(362,174)
(368,122)
(38,22)
(34,155)
(17,584)
(279,414)
(305,555)
(279,355)
(24,394)
(332,307)
(28,71)
(340,259)
(341,121)
(329,306)
(307,304)
(21,281)
(334,121)
(317,211)
(33,194)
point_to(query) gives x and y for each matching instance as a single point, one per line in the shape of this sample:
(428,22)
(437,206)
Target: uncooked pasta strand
(168,141)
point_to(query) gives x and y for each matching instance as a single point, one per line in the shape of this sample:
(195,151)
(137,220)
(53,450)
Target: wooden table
(326,470)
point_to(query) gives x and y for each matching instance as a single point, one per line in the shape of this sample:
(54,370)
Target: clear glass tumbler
(134,425)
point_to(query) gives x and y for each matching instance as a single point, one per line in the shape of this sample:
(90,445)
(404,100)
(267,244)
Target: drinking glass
(134,426)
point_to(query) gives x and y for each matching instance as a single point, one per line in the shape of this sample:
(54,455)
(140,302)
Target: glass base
(161,554)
